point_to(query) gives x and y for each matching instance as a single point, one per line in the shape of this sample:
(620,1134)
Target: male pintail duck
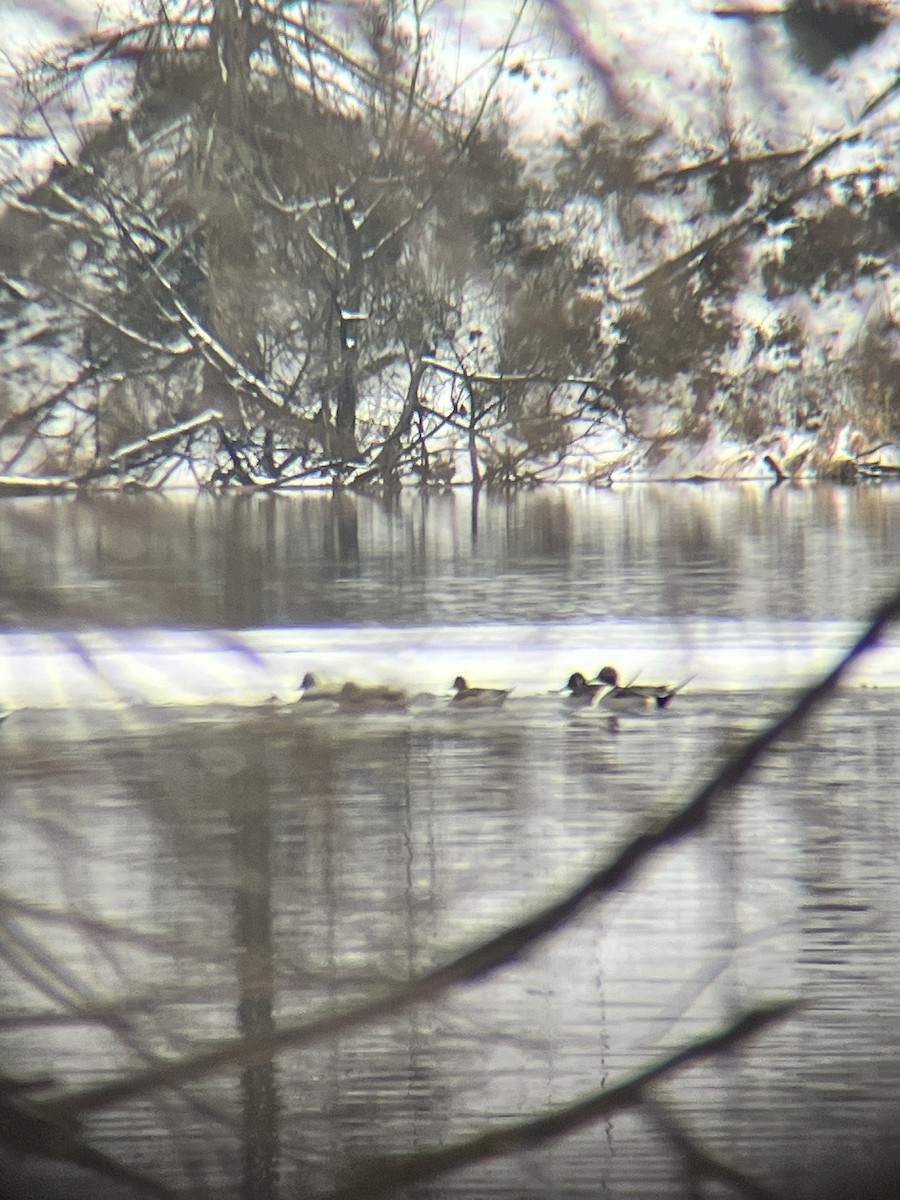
(632,695)
(312,689)
(373,698)
(477,697)
(580,691)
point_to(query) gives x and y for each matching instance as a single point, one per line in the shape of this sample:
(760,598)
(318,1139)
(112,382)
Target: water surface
(186,853)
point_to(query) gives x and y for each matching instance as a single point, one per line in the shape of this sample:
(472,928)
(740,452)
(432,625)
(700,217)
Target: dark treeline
(301,251)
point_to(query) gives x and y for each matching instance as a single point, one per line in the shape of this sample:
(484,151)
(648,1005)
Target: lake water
(188,854)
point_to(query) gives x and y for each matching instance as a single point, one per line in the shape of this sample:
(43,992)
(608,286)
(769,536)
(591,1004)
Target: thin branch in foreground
(25,1129)
(384,1175)
(511,944)
(699,1163)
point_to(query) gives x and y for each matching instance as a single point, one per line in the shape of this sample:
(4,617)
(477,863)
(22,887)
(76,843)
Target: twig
(699,1164)
(386,1174)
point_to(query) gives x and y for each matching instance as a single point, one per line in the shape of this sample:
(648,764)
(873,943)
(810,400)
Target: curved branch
(402,1170)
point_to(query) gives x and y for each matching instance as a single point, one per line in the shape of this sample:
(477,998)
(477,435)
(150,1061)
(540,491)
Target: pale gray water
(357,852)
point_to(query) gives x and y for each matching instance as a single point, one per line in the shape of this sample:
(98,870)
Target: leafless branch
(699,1164)
(386,1174)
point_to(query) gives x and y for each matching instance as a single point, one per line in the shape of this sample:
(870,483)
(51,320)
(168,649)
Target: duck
(312,689)
(633,695)
(372,698)
(580,691)
(477,697)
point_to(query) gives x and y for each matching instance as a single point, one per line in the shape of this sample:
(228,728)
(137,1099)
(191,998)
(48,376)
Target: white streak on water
(180,666)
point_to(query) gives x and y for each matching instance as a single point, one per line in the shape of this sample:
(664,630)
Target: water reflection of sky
(196,667)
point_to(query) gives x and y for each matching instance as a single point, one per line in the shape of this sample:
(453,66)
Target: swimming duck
(632,695)
(373,698)
(313,689)
(477,697)
(580,691)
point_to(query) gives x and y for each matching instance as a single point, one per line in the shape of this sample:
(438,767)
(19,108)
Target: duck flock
(604,690)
